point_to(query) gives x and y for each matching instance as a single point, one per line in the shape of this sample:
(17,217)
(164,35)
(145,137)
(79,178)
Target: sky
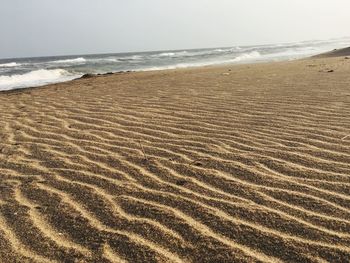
(31,28)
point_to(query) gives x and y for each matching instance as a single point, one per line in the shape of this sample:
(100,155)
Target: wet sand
(247,163)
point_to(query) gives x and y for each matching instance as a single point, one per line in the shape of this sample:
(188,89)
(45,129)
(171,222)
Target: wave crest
(74,60)
(34,78)
(247,56)
(9,65)
(130,58)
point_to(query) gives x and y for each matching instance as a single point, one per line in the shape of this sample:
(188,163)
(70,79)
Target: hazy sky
(59,27)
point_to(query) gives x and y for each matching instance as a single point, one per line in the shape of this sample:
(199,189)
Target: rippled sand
(245,163)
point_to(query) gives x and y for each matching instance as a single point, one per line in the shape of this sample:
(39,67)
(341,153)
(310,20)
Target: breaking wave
(26,72)
(244,57)
(130,58)
(10,65)
(247,56)
(34,78)
(72,61)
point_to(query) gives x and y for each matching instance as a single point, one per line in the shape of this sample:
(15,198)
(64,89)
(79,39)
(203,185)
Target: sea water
(29,72)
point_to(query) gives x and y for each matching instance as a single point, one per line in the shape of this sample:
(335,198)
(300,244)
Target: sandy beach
(244,163)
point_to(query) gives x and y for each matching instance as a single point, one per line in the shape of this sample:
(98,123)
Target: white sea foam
(103,60)
(70,61)
(167,54)
(196,53)
(219,50)
(247,56)
(183,65)
(252,56)
(136,57)
(34,78)
(130,58)
(177,54)
(9,71)
(9,65)
(110,59)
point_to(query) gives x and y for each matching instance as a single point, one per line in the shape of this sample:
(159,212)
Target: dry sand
(246,163)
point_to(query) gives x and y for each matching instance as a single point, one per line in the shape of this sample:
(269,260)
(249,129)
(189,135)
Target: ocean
(30,72)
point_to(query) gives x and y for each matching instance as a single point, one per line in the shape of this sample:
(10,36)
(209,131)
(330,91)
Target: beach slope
(247,163)
(343,52)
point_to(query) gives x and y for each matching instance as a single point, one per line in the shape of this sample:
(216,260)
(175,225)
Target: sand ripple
(180,166)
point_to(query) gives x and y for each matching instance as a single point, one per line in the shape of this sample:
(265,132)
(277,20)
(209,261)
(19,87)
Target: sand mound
(250,164)
(343,52)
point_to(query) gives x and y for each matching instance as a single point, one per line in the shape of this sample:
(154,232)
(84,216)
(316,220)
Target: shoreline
(38,71)
(342,52)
